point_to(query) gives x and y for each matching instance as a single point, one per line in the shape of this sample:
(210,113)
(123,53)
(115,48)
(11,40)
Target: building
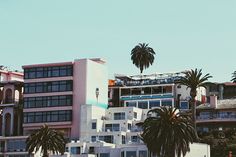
(11,95)
(225,90)
(216,115)
(148,91)
(54,93)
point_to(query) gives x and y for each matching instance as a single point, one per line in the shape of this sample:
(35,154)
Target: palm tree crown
(167,132)
(47,139)
(142,56)
(234,77)
(193,79)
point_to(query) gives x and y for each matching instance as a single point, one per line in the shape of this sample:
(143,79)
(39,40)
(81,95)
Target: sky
(185,34)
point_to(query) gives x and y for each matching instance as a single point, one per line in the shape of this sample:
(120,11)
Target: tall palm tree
(193,79)
(142,56)
(47,139)
(167,132)
(234,77)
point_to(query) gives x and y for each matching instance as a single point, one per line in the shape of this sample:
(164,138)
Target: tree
(47,139)
(193,79)
(234,77)
(167,132)
(142,56)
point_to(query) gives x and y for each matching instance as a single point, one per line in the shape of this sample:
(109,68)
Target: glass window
(142,153)
(131,104)
(135,115)
(104,154)
(134,138)
(129,126)
(166,103)
(154,103)
(143,104)
(119,116)
(131,154)
(123,139)
(184,105)
(94,125)
(93,138)
(75,150)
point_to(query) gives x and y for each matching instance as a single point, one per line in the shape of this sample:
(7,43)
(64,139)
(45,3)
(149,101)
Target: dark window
(129,126)
(123,139)
(135,114)
(131,104)
(94,125)
(75,150)
(166,103)
(143,104)
(93,138)
(44,87)
(154,103)
(119,116)
(49,116)
(48,101)
(44,72)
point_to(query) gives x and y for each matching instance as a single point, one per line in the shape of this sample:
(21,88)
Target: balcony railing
(217,117)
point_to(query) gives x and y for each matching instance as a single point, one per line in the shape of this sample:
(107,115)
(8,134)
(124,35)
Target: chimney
(213,101)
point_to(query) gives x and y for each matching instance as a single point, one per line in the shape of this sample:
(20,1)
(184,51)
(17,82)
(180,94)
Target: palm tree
(142,56)
(167,132)
(193,79)
(47,139)
(234,77)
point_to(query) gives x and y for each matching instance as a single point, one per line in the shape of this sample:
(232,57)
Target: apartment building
(216,115)
(148,91)
(54,93)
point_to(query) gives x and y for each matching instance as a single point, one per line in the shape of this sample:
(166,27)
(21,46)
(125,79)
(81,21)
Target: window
(108,139)
(119,116)
(75,150)
(45,72)
(143,104)
(184,105)
(131,104)
(166,103)
(93,138)
(91,150)
(45,87)
(50,116)
(154,103)
(48,101)
(134,139)
(123,139)
(135,115)
(112,127)
(129,126)
(142,153)
(131,154)
(104,154)
(94,125)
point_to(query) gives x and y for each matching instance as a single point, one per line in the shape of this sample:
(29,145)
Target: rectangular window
(45,72)
(94,125)
(104,154)
(123,139)
(131,104)
(131,154)
(135,115)
(134,139)
(49,116)
(119,116)
(154,104)
(75,150)
(184,105)
(166,103)
(143,104)
(93,138)
(45,87)
(142,153)
(48,101)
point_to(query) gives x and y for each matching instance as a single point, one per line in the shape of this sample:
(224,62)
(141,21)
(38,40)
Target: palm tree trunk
(193,103)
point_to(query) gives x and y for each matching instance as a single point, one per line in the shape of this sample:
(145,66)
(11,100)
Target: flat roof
(47,65)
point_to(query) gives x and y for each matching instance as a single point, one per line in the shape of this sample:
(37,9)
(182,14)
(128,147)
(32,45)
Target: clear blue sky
(185,33)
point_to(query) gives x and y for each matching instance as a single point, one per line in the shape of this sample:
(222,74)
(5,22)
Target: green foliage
(47,139)
(142,56)
(234,77)
(193,79)
(221,142)
(167,132)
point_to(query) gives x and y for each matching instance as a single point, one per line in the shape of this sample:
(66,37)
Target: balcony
(216,118)
(7,102)
(141,97)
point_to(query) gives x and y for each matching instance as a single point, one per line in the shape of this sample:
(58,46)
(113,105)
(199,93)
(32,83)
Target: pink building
(54,93)
(11,84)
